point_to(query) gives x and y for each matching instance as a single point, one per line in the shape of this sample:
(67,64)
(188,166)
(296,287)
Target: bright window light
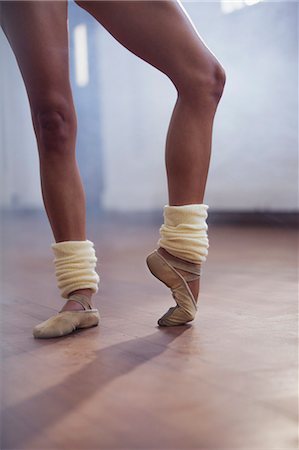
(81,55)
(228,6)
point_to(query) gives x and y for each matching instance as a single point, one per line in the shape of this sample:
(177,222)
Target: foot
(171,271)
(193,285)
(66,322)
(71,305)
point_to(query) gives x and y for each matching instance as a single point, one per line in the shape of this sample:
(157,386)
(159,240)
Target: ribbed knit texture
(184,231)
(75,264)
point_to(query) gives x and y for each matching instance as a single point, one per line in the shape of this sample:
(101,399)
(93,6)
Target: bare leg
(37,33)
(161,33)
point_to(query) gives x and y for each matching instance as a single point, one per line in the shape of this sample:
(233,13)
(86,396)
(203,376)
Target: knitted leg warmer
(184,235)
(75,264)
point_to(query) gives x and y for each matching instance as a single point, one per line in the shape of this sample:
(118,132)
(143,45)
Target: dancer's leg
(37,32)
(161,33)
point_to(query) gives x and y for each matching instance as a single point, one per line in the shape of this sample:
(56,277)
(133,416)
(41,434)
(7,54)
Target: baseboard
(215,217)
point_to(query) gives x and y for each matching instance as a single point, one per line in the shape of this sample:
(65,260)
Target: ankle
(194,284)
(166,254)
(84,291)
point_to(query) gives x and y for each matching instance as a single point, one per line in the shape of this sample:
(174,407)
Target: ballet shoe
(65,322)
(164,268)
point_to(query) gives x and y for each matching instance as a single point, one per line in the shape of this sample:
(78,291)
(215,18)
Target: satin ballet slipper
(65,322)
(164,268)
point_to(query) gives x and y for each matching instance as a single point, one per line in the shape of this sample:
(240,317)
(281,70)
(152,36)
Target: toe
(175,316)
(55,326)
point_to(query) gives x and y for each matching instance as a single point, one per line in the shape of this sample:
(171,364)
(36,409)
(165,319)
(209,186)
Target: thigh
(159,32)
(37,33)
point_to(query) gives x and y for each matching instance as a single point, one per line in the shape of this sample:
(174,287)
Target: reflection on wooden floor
(227,381)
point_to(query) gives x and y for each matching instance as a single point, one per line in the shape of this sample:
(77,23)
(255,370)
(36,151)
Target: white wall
(136,106)
(254,156)
(19,167)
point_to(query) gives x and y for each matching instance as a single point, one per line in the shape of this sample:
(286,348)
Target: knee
(203,86)
(218,82)
(55,125)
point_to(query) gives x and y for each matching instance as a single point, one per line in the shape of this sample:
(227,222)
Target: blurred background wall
(124,107)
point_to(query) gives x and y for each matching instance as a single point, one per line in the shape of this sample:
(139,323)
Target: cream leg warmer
(184,232)
(75,263)
(183,235)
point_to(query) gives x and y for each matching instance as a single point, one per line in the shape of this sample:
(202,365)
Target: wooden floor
(228,381)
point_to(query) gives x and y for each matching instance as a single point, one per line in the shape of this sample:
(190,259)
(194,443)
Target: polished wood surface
(227,381)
